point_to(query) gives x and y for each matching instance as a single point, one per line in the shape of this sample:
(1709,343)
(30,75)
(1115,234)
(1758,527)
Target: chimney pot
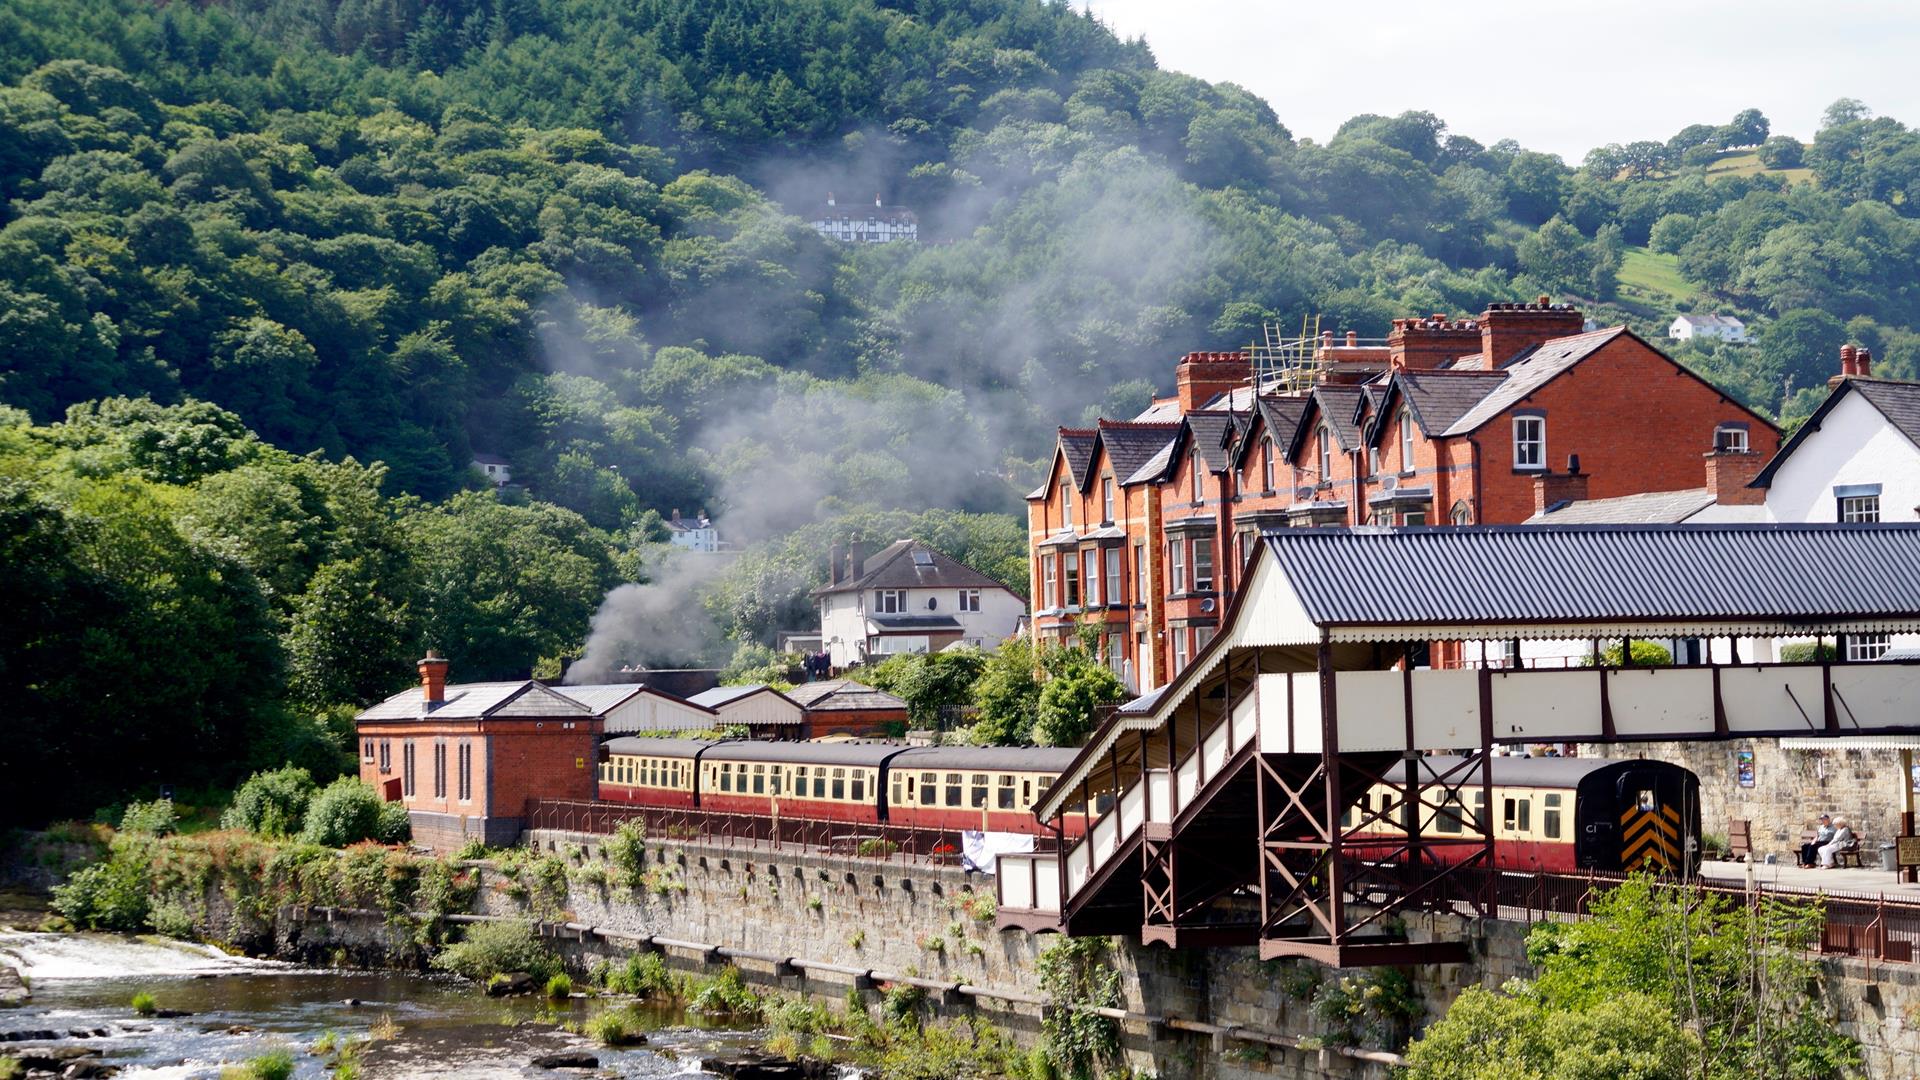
(1545,300)
(1863,362)
(1573,464)
(1847,354)
(1353,338)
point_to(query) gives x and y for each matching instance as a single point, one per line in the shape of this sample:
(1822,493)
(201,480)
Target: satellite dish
(1207,605)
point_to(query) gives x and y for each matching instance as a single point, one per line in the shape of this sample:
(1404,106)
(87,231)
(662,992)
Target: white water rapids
(44,957)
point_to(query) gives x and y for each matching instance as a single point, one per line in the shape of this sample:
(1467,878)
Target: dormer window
(1267,467)
(1199,480)
(1066,505)
(1406,440)
(1730,439)
(1530,443)
(1106,498)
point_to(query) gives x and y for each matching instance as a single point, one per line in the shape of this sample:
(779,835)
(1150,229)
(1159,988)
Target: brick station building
(1141,526)
(466,757)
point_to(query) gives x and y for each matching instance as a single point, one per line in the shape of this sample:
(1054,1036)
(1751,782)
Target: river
(237,1009)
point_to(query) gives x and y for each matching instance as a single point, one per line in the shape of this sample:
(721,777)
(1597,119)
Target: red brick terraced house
(1140,527)
(466,757)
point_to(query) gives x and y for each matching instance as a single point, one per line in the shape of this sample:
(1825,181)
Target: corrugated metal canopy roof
(1497,575)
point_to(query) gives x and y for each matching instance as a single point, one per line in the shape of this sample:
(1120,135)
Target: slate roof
(1156,467)
(1209,437)
(1646,508)
(722,695)
(1161,411)
(1899,402)
(1077,445)
(843,695)
(1337,405)
(914,622)
(1530,372)
(476,701)
(1440,398)
(1129,446)
(1497,574)
(603,698)
(1713,320)
(893,567)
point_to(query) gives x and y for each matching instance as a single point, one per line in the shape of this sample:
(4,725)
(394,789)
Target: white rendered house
(909,598)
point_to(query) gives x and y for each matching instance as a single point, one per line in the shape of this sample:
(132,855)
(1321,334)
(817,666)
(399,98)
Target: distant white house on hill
(852,223)
(494,468)
(693,534)
(1720,327)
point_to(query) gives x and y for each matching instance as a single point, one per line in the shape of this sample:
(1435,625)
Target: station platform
(1788,877)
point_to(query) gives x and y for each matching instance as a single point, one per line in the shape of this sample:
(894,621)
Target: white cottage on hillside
(1721,327)
(909,598)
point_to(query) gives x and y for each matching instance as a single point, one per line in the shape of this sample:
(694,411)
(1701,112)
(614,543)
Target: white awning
(1854,742)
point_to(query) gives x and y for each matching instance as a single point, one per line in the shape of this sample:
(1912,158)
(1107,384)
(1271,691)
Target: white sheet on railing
(980,850)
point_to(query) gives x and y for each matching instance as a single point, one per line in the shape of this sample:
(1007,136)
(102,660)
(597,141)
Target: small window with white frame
(1267,459)
(1867,646)
(1066,505)
(1406,440)
(1859,508)
(969,599)
(1106,498)
(890,601)
(1530,442)
(1730,438)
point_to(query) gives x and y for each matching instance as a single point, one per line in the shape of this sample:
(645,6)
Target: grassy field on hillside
(1748,163)
(1653,278)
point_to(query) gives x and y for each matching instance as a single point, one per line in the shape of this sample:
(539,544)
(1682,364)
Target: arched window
(1462,514)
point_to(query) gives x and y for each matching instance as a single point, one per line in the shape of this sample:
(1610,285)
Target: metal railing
(871,840)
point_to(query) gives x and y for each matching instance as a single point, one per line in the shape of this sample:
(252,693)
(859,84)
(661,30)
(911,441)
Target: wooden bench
(1851,853)
(1740,840)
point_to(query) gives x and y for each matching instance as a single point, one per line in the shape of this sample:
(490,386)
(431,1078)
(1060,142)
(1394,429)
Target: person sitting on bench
(1842,841)
(1811,848)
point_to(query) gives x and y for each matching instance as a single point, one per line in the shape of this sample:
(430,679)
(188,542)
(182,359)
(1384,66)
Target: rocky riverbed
(213,1010)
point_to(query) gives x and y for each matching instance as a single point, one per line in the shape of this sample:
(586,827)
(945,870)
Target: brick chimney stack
(856,560)
(836,563)
(1728,474)
(1425,344)
(1507,330)
(433,679)
(1551,488)
(1202,376)
(1855,360)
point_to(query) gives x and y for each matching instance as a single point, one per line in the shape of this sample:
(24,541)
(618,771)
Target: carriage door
(1652,834)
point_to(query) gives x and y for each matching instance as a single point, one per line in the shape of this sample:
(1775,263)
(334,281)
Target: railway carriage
(1557,814)
(990,788)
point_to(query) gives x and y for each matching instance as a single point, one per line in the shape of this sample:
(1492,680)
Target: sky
(1563,78)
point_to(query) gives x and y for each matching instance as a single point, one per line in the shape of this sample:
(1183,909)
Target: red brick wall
(1638,421)
(548,762)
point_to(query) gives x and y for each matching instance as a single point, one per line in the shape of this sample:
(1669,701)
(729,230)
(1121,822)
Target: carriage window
(759,779)
(896,790)
(953,788)
(775,780)
(1646,801)
(979,791)
(819,783)
(896,777)
(929,789)
(1006,791)
(1449,819)
(726,777)
(1026,792)
(1552,817)
(859,785)
(839,783)
(1516,814)
(800,782)
(1480,810)
(1346,819)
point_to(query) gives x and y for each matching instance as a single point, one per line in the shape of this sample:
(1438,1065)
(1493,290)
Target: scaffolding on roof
(1287,365)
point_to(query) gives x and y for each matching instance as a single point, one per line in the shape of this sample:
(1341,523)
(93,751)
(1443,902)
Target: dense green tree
(1073,702)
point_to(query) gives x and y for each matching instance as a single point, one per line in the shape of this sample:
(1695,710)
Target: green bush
(144,1005)
(346,812)
(173,920)
(1645,654)
(393,825)
(154,818)
(642,975)
(272,1065)
(1071,704)
(559,987)
(272,803)
(491,949)
(615,1027)
(111,895)
(1807,652)
(726,994)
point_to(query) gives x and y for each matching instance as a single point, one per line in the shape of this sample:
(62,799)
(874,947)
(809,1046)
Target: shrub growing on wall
(272,803)
(347,812)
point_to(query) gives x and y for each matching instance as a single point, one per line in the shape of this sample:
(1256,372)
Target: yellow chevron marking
(1650,848)
(1651,824)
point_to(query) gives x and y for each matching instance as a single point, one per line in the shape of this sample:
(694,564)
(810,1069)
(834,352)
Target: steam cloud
(1126,254)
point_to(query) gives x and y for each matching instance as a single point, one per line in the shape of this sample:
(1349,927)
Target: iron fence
(870,840)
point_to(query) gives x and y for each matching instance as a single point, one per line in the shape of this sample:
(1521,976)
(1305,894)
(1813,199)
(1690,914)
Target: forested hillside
(393,233)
